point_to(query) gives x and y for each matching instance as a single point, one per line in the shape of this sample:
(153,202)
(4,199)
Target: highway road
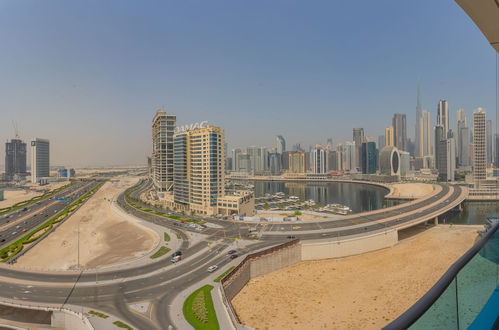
(160,281)
(16,224)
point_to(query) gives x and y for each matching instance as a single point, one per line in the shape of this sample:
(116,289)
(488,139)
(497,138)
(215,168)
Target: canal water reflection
(359,197)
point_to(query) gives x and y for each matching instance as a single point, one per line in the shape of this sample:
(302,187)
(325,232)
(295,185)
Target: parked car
(231,252)
(233,256)
(291,237)
(178,253)
(212,268)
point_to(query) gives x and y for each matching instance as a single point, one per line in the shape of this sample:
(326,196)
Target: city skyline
(92,101)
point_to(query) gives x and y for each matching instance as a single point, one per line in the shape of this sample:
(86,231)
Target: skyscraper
(358,138)
(369,159)
(275,163)
(319,160)
(199,168)
(439,136)
(163,128)
(400,131)
(479,147)
(446,160)
(381,141)
(419,141)
(15,160)
(258,158)
(40,159)
(235,159)
(296,162)
(463,139)
(426,134)
(497,150)
(443,115)
(280,144)
(490,145)
(389,138)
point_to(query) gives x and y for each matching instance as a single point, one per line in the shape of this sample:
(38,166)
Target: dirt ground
(105,237)
(411,190)
(12,197)
(358,292)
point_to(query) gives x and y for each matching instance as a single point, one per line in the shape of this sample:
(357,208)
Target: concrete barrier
(344,247)
(63,318)
(68,319)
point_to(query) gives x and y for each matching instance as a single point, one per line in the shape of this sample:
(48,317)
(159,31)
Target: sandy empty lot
(358,292)
(12,197)
(411,190)
(105,237)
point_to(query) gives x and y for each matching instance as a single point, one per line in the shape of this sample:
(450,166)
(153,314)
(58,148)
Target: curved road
(160,281)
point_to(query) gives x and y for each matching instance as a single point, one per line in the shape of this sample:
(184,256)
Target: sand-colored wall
(261,263)
(277,260)
(326,249)
(238,281)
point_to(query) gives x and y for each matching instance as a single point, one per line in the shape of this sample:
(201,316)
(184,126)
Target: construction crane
(16,132)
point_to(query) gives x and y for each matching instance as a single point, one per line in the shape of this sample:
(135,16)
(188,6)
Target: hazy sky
(88,75)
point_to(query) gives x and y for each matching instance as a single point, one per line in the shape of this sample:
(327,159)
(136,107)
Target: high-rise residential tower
(280,144)
(358,138)
(443,115)
(40,159)
(463,139)
(381,142)
(319,160)
(446,160)
(426,134)
(439,136)
(490,144)
(479,147)
(15,160)
(163,128)
(399,124)
(296,162)
(419,141)
(369,159)
(199,169)
(389,139)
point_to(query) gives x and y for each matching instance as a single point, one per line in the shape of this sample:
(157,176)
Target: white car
(211,269)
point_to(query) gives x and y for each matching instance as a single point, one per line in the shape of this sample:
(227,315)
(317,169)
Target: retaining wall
(282,258)
(326,249)
(260,263)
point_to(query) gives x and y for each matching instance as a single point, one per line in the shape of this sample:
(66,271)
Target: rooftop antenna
(16,132)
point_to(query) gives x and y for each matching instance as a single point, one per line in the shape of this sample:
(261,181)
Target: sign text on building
(185,128)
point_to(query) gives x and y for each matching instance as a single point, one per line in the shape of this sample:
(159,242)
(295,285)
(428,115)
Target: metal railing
(459,295)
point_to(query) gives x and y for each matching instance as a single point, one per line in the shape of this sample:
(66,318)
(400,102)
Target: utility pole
(78,244)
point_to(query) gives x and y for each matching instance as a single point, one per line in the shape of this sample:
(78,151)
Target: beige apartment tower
(199,173)
(163,128)
(296,162)
(480,147)
(389,138)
